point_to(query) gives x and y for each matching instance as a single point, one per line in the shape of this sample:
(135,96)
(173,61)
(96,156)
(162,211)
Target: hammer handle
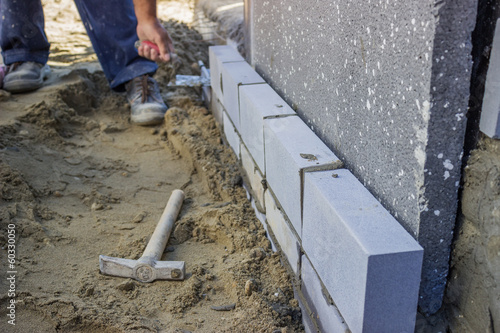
(160,236)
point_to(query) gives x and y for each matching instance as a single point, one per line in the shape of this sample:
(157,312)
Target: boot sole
(147,119)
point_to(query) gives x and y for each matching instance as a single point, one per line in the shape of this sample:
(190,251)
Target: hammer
(148,267)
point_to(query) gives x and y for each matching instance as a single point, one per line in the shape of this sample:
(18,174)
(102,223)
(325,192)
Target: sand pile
(77,180)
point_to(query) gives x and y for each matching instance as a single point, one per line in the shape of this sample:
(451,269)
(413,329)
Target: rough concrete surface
(382,83)
(473,292)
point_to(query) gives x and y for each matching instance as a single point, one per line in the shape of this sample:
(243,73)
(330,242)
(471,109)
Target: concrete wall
(385,85)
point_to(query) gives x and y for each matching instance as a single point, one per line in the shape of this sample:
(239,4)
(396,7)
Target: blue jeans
(110,24)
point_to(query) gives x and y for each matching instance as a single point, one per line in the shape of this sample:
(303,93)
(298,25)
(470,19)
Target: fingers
(152,53)
(166,47)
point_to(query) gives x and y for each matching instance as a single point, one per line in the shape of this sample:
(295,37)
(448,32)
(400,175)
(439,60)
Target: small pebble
(309,157)
(258,253)
(125,174)
(89,292)
(127,286)
(222,204)
(96,206)
(228,307)
(139,217)
(249,287)
(154,131)
(58,194)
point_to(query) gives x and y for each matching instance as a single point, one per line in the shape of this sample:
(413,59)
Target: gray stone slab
(283,231)
(217,56)
(235,74)
(255,178)
(256,103)
(382,83)
(232,136)
(290,149)
(327,315)
(217,110)
(369,264)
(490,114)
(307,316)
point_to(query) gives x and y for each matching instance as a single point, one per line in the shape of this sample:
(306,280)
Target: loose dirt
(78,180)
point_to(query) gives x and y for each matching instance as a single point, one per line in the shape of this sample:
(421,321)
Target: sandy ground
(78,180)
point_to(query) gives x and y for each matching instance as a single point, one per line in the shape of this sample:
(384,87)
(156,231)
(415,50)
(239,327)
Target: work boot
(25,76)
(147,106)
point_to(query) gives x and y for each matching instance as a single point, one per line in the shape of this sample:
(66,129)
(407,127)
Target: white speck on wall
(447,165)
(441,240)
(418,104)
(437,212)
(446,175)
(413,21)
(289,8)
(459,116)
(440,155)
(457,183)
(426,106)
(419,154)
(368,105)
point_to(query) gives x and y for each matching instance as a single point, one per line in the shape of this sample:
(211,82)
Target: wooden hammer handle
(164,227)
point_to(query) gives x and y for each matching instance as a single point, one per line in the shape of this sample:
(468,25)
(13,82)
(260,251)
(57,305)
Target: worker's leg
(111,26)
(22,37)
(24,45)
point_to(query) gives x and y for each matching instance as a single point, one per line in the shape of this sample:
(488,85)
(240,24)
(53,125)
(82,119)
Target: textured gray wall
(385,84)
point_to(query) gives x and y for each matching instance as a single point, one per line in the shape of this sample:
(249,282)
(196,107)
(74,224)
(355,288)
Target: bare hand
(154,32)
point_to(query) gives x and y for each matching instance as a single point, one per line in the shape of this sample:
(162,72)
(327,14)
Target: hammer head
(144,269)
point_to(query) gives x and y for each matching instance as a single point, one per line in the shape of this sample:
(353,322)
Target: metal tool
(202,81)
(190,81)
(148,267)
